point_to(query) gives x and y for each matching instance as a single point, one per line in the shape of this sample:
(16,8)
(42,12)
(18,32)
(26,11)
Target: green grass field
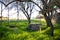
(21,32)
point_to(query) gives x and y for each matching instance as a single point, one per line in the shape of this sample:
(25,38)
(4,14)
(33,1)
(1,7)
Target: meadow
(20,32)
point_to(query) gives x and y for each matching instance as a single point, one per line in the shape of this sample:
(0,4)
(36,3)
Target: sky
(13,13)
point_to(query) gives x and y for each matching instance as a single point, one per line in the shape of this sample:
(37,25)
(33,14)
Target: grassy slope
(20,32)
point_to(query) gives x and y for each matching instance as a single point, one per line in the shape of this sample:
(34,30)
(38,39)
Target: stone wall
(34,27)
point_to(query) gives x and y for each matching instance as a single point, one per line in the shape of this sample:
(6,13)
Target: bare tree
(27,10)
(46,9)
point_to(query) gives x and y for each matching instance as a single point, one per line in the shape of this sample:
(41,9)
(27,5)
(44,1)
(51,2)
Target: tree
(27,10)
(46,9)
(1,15)
(2,3)
(57,3)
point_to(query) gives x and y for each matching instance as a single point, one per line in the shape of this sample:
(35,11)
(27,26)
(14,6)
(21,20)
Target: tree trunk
(49,23)
(46,18)
(29,21)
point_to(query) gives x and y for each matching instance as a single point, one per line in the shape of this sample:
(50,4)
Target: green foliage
(20,32)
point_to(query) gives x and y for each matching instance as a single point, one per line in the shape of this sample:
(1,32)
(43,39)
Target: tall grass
(20,32)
